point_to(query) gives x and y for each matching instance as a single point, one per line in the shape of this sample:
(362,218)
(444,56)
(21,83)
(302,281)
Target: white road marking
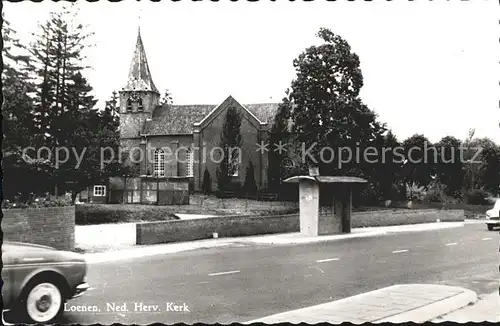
(202,283)
(121,315)
(325,260)
(223,273)
(308,275)
(451,244)
(484,239)
(180,284)
(398,251)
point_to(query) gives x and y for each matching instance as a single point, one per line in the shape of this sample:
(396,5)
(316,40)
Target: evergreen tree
(207,183)
(21,175)
(279,133)
(230,143)
(250,187)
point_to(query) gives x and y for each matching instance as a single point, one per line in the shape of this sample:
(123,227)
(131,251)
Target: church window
(140,107)
(129,105)
(190,163)
(159,163)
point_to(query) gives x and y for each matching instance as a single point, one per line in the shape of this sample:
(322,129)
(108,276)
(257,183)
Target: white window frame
(99,191)
(190,163)
(159,163)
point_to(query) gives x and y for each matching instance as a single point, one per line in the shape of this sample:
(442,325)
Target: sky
(429,67)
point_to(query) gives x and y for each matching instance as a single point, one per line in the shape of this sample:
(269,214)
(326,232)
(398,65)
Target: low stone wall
(235,226)
(405,216)
(49,226)
(226,226)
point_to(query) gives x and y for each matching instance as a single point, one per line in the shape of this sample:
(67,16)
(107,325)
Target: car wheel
(43,302)
(490,227)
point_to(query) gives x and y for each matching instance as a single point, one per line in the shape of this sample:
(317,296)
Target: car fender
(24,278)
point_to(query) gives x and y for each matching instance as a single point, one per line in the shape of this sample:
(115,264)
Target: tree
(449,167)
(279,133)
(420,158)
(21,175)
(387,171)
(57,62)
(326,109)
(488,176)
(167,98)
(206,186)
(230,143)
(250,187)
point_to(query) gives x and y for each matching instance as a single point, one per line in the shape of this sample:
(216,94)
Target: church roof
(139,76)
(179,119)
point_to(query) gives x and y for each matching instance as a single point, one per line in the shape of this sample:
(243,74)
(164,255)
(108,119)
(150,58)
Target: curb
(434,310)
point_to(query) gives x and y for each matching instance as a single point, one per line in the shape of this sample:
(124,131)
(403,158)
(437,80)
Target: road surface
(248,282)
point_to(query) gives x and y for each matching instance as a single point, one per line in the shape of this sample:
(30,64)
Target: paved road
(244,283)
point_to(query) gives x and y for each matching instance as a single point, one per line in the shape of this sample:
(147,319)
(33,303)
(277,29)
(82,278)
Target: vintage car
(38,280)
(492,216)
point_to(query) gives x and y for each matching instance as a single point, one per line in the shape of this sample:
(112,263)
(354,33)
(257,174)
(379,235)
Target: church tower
(138,97)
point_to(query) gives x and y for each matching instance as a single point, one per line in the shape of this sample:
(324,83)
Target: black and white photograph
(266,161)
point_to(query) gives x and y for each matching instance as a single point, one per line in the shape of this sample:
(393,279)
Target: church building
(179,140)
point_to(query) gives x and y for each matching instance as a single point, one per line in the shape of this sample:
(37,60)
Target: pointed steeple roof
(139,76)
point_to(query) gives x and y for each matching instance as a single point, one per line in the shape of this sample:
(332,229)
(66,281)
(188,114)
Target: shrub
(206,186)
(414,192)
(104,213)
(37,203)
(436,193)
(250,187)
(477,197)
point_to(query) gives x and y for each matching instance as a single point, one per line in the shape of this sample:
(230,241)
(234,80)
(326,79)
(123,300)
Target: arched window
(190,163)
(140,107)
(159,163)
(129,105)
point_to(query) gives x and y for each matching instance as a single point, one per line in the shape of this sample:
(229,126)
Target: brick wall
(405,216)
(234,226)
(227,226)
(52,226)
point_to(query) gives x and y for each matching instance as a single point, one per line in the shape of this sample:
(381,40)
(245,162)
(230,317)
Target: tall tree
(230,143)
(57,54)
(21,175)
(279,133)
(327,111)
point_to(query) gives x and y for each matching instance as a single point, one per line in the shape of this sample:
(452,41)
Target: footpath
(122,246)
(394,304)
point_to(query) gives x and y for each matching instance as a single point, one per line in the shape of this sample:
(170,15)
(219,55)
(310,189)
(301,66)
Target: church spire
(139,76)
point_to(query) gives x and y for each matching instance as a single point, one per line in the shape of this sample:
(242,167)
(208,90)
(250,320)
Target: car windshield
(497,205)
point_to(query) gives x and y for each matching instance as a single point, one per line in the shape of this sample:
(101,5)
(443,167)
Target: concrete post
(309,207)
